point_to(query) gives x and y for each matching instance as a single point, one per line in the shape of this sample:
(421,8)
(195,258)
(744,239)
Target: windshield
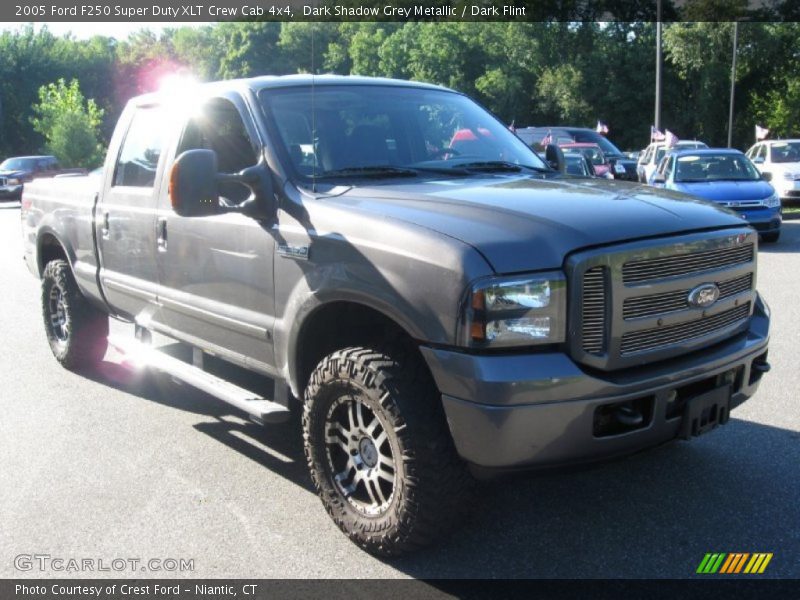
(662,150)
(17,164)
(786,152)
(388,131)
(595,138)
(715,167)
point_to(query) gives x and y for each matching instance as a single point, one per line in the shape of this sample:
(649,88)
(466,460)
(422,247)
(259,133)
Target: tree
(69,123)
(561,91)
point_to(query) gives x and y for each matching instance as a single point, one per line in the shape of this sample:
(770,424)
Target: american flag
(548,139)
(670,138)
(656,135)
(601,127)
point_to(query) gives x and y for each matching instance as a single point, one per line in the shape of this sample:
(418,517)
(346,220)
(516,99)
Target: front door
(216,273)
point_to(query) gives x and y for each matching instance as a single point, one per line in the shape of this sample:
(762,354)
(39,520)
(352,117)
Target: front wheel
(771,238)
(76,331)
(380,453)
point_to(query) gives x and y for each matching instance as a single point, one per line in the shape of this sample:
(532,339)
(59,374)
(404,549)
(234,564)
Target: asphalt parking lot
(102,466)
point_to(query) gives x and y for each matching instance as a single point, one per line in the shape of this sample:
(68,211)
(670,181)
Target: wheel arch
(49,247)
(339,324)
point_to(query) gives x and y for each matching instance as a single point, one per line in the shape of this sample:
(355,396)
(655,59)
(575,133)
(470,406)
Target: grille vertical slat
(593,311)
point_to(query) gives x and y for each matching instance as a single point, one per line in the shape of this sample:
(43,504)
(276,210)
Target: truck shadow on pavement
(268,445)
(653,514)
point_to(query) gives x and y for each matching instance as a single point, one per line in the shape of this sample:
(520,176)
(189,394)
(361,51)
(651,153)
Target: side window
(762,151)
(219,127)
(141,149)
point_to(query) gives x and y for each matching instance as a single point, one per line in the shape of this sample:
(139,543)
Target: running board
(260,409)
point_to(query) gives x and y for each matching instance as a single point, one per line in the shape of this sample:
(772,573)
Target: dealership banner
(402,589)
(395,10)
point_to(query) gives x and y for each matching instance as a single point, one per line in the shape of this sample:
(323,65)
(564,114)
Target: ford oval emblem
(703,295)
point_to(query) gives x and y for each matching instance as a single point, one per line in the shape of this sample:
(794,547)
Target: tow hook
(629,416)
(762,367)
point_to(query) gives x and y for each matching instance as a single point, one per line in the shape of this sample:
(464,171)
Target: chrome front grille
(656,304)
(686,264)
(629,304)
(658,337)
(594,310)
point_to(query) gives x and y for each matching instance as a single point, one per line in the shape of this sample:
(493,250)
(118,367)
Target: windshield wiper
(373,171)
(497,166)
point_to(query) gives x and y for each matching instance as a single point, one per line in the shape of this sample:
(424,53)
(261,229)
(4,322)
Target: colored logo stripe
(734,562)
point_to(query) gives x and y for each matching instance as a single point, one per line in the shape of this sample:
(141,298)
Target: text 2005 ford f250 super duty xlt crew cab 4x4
(439,300)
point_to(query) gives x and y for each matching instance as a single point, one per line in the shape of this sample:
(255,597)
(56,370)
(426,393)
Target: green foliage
(69,124)
(538,73)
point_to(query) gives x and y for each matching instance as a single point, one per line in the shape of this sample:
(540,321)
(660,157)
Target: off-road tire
(432,487)
(80,340)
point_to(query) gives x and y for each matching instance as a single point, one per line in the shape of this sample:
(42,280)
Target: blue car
(727,177)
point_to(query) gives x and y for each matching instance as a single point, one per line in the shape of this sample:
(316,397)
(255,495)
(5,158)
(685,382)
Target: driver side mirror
(766,176)
(194,182)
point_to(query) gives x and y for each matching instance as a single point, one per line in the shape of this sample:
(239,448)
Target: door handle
(161,234)
(104,228)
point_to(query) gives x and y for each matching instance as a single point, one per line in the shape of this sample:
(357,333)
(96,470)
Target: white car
(781,160)
(652,155)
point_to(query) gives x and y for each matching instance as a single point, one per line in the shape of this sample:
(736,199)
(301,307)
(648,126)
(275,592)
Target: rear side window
(141,150)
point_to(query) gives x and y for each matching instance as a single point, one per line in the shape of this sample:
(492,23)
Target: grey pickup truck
(438,300)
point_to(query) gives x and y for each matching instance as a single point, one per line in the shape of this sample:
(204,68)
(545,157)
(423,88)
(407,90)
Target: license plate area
(704,412)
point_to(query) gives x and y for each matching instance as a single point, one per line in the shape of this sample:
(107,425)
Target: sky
(87,30)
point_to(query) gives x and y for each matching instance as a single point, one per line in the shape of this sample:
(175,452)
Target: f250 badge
(704,295)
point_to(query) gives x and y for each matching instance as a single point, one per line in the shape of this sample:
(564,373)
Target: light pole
(657,119)
(733,83)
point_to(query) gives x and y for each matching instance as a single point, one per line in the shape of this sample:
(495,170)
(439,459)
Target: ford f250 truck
(439,301)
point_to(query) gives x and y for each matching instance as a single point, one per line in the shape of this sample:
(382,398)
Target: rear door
(125,213)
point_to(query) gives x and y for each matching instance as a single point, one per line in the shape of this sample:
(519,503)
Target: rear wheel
(76,331)
(380,453)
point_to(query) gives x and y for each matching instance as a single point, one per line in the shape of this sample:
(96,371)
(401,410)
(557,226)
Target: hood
(523,223)
(727,190)
(20,174)
(792,167)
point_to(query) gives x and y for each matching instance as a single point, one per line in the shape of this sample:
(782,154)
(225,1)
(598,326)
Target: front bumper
(11,192)
(540,410)
(763,220)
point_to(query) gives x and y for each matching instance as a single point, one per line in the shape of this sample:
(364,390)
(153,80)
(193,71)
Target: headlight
(788,176)
(12,181)
(773,201)
(515,311)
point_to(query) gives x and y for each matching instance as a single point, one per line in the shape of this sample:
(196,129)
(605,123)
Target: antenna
(313,112)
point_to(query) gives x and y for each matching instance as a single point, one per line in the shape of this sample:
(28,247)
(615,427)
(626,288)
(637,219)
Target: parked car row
(618,163)
(780,159)
(15,172)
(727,177)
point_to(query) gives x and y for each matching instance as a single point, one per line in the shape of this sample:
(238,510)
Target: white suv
(652,155)
(781,160)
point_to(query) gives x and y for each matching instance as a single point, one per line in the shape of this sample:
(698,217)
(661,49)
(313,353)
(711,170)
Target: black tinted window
(141,150)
